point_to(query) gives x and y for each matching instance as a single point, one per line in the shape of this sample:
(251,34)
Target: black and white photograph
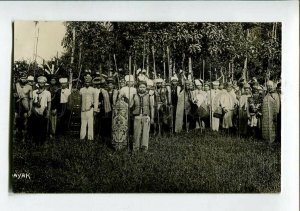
(149,105)
(146,107)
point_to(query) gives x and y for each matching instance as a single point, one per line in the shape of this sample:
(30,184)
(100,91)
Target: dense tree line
(230,49)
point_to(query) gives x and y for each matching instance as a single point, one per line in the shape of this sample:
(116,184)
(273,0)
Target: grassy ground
(194,162)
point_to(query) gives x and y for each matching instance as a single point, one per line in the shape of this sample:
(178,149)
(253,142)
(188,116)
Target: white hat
(246,85)
(129,78)
(174,78)
(144,71)
(142,78)
(30,78)
(42,79)
(63,80)
(158,80)
(150,82)
(270,83)
(198,82)
(216,83)
(138,71)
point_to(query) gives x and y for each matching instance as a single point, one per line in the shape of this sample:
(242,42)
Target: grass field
(191,162)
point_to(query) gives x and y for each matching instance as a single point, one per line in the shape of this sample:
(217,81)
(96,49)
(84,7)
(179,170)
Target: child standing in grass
(143,112)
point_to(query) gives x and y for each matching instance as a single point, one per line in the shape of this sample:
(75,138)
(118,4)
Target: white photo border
(286,12)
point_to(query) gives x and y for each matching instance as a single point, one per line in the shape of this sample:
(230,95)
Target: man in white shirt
(228,102)
(89,107)
(63,111)
(40,111)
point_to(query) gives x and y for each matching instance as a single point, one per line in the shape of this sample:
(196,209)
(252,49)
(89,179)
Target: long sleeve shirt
(228,101)
(89,99)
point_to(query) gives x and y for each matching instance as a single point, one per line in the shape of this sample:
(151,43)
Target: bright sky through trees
(49,40)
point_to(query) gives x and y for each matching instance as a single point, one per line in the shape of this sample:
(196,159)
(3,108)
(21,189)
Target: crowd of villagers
(43,107)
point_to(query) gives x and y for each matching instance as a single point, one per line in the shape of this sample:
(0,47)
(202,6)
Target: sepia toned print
(146,107)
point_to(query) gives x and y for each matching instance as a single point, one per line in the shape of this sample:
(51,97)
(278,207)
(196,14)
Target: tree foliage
(221,45)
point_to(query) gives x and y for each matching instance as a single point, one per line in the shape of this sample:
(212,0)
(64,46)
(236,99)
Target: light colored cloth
(199,97)
(227,119)
(107,106)
(269,118)
(126,92)
(183,107)
(87,121)
(89,99)
(64,95)
(141,132)
(213,99)
(53,123)
(215,124)
(43,99)
(228,102)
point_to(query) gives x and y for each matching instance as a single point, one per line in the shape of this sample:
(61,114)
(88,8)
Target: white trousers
(141,132)
(215,123)
(87,121)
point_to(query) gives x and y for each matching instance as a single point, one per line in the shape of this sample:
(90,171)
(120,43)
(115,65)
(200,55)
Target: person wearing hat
(141,75)
(255,111)
(270,110)
(55,98)
(30,80)
(63,110)
(89,107)
(184,117)
(244,111)
(162,104)
(143,112)
(228,104)
(40,111)
(200,99)
(23,104)
(175,90)
(213,97)
(107,120)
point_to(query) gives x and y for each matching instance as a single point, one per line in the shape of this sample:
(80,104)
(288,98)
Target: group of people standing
(125,111)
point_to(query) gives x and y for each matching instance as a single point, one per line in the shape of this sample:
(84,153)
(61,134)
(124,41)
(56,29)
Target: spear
(144,49)
(210,113)
(117,71)
(190,68)
(203,70)
(128,133)
(164,65)
(169,64)
(158,118)
(153,51)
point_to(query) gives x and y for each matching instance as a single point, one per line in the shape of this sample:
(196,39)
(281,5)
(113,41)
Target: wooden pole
(144,49)
(203,70)
(169,64)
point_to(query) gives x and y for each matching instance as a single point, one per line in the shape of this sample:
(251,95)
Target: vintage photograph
(146,107)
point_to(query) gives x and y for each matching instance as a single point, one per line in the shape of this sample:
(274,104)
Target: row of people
(152,105)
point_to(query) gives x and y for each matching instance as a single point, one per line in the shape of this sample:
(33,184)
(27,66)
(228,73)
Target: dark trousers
(39,128)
